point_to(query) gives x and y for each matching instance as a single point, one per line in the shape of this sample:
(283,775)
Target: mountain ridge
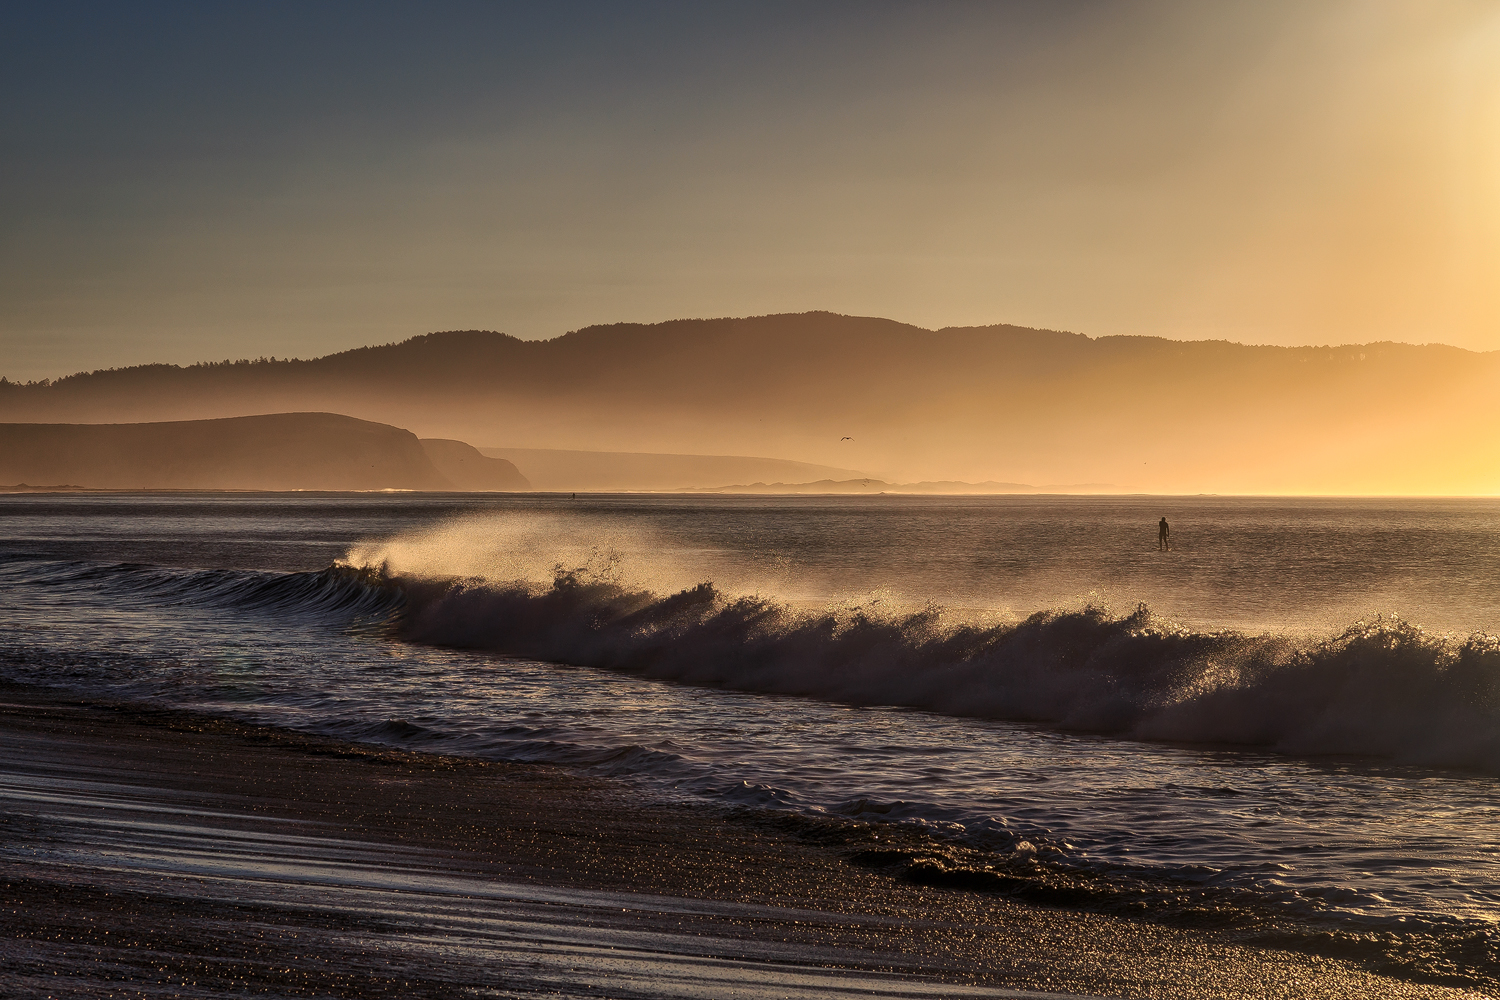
(999,403)
(482,344)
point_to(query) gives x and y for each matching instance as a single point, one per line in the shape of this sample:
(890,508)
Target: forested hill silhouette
(999,403)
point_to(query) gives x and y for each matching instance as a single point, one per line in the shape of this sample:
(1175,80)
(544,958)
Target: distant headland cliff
(280,451)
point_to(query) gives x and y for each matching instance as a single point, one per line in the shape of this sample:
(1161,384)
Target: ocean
(1288,724)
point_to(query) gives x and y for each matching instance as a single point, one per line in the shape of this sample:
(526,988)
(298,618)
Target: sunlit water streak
(107,594)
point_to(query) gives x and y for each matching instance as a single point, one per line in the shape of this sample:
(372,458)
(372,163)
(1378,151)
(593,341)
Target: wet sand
(147,853)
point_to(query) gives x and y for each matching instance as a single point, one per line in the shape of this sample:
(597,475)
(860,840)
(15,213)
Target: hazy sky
(190,181)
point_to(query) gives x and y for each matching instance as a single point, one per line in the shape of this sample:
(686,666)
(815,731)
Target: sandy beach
(163,854)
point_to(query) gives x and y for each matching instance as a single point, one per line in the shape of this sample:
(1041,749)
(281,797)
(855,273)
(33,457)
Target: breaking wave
(1380,687)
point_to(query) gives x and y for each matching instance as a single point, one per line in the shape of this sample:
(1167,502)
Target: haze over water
(1310,780)
(1251,564)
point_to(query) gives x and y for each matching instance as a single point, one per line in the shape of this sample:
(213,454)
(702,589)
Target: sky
(181,182)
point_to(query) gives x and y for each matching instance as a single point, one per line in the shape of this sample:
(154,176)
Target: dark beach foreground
(150,853)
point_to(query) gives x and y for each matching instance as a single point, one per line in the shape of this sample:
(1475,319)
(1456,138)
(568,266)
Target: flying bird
(846,438)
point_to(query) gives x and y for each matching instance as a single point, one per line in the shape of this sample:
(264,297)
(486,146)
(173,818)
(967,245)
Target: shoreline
(157,852)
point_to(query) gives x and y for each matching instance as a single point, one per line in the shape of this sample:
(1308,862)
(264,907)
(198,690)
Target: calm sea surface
(1290,721)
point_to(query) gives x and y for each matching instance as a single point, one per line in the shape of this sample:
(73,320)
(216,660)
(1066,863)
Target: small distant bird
(846,438)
